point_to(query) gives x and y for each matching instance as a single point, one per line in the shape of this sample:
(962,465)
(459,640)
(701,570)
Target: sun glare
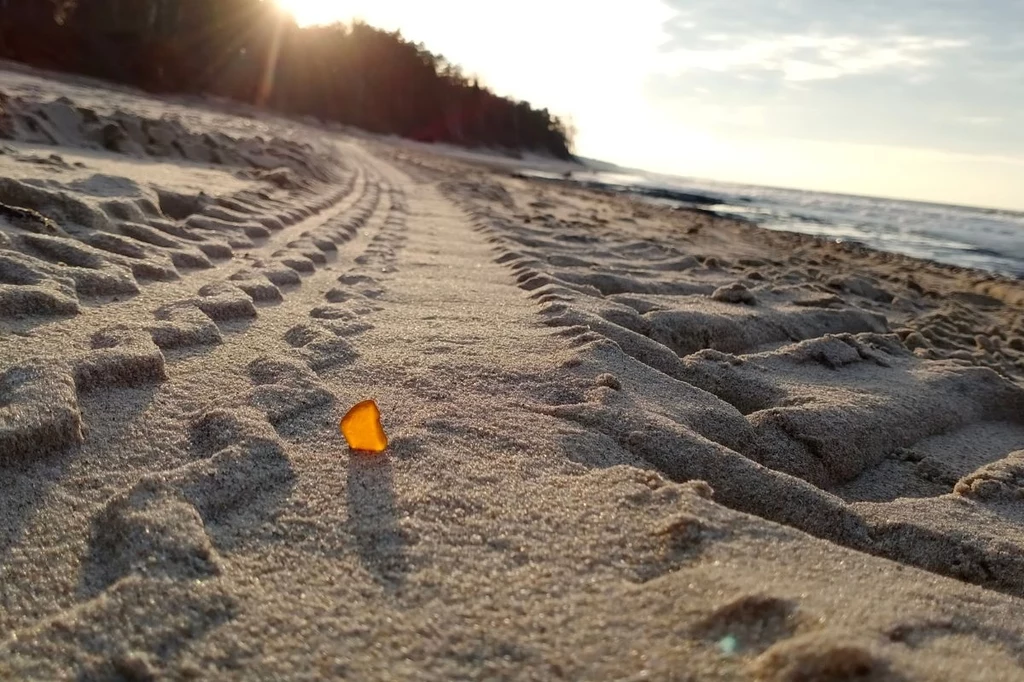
(309,12)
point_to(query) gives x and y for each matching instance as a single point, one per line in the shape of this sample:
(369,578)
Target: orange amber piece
(361,428)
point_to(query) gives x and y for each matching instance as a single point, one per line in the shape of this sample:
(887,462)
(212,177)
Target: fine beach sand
(627,442)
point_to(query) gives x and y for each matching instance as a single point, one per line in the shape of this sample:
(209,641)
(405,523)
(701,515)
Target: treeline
(250,51)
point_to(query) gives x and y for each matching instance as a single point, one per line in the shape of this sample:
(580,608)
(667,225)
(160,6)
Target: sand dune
(625,442)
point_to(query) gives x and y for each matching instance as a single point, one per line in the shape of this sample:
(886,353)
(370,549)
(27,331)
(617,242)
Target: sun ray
(312,12)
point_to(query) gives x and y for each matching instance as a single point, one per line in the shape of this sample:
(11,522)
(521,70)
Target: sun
(309,12)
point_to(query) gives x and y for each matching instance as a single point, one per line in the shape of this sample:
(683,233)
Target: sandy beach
(626,442)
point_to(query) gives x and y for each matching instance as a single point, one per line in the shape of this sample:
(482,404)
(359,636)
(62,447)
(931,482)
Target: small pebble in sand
(915,340)
(362,428)
(609,380)
(734,293)
(728,644)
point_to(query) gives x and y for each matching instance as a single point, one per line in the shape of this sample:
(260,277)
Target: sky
(916,99)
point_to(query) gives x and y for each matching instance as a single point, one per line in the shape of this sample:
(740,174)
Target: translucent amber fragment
(362,429)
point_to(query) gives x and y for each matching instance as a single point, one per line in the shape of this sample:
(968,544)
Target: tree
(250,50)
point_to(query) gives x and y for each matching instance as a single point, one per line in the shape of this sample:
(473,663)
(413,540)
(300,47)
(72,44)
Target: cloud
(709,21)
(943,74)
(798,57)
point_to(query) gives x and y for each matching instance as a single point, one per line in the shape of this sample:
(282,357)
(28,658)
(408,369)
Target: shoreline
(985,279)
(728,204)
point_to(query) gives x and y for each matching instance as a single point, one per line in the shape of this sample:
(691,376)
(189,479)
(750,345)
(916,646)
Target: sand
(627,442)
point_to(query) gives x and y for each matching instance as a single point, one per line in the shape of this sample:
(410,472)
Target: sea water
(985,239)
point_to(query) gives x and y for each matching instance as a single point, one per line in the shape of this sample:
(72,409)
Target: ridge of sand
(627,443)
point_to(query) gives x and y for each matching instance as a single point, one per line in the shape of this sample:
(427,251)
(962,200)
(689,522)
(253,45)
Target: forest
(251,51)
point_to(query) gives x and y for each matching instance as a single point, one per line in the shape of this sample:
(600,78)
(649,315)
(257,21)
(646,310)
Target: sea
(980,238)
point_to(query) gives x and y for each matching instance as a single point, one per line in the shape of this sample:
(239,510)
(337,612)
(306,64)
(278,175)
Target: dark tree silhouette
(250,51)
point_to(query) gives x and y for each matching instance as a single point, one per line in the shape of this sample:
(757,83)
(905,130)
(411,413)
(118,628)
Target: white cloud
(801,57)
(982,120)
